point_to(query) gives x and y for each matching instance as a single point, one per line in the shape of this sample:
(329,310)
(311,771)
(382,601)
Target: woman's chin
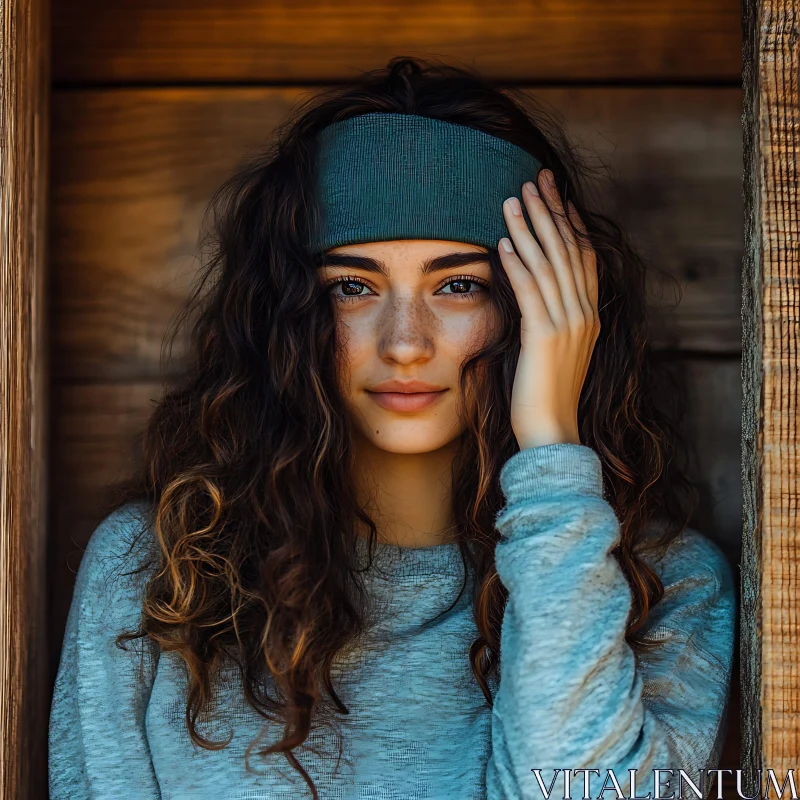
(409,437)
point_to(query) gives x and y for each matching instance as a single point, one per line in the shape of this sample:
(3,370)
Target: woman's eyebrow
(448,261)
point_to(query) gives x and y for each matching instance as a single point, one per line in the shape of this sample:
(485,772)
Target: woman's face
(409,313)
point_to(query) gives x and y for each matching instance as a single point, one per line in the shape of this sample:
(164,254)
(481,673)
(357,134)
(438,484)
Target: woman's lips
(406,401)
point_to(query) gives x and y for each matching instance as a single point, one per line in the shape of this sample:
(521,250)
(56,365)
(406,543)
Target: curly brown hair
(247,457)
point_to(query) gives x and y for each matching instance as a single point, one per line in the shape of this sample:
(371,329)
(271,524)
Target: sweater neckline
(396,561)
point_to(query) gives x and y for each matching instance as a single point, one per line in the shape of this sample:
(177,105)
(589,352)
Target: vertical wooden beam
(24,79)
(752,357)
(771,359)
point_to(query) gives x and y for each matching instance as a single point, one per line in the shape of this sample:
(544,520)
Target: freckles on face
(408,314)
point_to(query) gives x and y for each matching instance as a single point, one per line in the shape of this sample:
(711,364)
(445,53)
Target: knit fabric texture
(571,693)
(405,176)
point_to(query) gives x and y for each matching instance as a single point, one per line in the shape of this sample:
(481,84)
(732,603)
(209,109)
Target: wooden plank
(133,171)
(713,394)
(168,41)
(94,446)
(24,78)
(669,170)
(129,200)
(771,359)
(712,389)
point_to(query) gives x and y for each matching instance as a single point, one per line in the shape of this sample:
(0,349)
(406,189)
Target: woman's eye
(354,288)
(349,289)
(463,286)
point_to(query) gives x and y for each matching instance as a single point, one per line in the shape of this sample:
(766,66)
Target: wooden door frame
(770,360)
(24,100)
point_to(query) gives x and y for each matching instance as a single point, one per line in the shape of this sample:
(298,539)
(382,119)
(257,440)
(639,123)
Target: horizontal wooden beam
(308,41)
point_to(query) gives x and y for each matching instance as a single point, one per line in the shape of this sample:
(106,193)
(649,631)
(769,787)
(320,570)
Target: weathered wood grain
(712,427)
(94,444)
(133,171)
(24,77)
(771,359)
(177,41)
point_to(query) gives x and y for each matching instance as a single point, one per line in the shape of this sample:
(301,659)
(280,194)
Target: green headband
(404,176)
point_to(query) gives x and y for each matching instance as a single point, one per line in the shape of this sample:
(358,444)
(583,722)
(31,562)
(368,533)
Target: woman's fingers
(566,228)
(558,267)
(549,220)
(534,261)
(564,266)
(588,262)
(526,288)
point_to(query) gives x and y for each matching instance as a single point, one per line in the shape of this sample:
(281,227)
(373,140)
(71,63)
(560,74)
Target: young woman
(412,525)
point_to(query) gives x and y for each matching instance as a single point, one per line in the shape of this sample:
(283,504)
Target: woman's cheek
(475,331)
(344,339)
(352,345)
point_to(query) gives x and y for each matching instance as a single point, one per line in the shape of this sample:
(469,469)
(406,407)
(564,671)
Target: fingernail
(514,205)
(531,187)
(507,246)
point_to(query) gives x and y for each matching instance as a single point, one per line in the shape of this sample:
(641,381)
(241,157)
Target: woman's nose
(407,330)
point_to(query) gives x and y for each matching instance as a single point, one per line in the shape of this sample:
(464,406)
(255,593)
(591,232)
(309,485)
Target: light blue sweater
(570,696)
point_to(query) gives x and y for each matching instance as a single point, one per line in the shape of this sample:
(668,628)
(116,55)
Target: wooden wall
(156,101)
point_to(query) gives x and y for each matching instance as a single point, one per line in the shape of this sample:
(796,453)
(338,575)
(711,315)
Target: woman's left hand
(557,295)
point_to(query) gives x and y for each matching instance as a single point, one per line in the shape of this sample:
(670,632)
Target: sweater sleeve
(572,695)
(97,742)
